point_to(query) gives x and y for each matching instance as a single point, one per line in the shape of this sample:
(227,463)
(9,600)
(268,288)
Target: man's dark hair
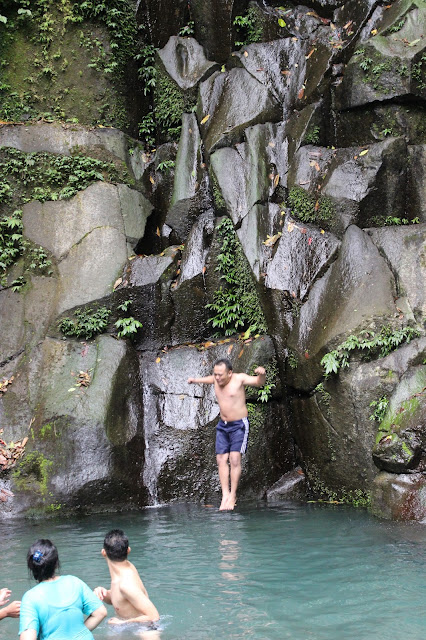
(116,545)
(42,560)
(225,361)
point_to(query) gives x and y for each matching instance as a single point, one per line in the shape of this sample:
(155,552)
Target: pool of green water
(305,572)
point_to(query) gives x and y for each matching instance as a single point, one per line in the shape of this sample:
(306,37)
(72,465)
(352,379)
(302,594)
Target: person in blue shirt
(56,608)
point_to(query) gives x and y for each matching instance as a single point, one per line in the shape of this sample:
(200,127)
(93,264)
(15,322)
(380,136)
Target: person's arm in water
(95,618)
(205,380)
(132,592)
(103,594)
(254,381)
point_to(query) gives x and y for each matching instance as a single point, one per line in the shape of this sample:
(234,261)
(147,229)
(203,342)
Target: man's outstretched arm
(257,380)
(205,380)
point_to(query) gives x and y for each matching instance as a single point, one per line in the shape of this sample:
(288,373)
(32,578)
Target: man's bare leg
(235,460)
(223,468)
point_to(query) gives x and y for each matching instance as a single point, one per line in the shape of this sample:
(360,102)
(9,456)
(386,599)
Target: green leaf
(282,22)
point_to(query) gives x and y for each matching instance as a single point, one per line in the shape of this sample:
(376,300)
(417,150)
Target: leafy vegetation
(127,327)
(263,394)
(307,208)
(249,27)
(56,41)
(312,136)
(378,66)
(369,345)
(86,324)
(236,305)
(418,73)
(390,221)
(380,406)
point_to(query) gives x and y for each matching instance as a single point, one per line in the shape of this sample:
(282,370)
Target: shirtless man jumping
(127,593)
(233,427)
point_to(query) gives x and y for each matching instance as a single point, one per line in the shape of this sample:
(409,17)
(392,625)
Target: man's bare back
(127,593)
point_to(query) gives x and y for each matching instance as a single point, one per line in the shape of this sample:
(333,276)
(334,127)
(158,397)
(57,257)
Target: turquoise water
(305,572)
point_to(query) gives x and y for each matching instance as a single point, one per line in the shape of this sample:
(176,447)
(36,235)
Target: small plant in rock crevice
(380,407)
(86,324)
(249,27)
(236,305)
(127,327)
(369,345)
(312,136)
(264,394)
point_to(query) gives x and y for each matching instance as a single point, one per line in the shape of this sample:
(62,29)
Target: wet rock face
(180,420)
(310,139)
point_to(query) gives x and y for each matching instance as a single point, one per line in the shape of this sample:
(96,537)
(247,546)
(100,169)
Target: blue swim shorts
(232,436)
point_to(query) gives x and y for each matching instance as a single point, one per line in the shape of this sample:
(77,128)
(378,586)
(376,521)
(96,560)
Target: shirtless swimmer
(127,593)
(233,426)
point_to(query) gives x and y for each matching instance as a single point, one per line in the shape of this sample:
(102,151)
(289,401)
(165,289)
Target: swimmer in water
(127,593)
(233,427)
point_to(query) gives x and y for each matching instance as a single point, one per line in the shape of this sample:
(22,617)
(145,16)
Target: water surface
(304,572)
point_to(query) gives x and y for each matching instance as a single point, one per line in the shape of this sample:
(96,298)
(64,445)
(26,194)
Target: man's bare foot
(223,504)
(231,503)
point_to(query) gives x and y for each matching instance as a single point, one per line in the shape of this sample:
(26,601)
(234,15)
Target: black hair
(116,545)
(42,560)
(225,361)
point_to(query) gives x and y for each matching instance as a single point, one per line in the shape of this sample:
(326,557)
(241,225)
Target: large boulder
(356,292)
(220,100)
(251,172)
(405,251)
(399,497)
(185,62)
(83,435)
(87,237)
(390,64)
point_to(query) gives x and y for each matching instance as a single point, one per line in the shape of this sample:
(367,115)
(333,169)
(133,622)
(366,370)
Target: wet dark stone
(399,497)
(311,253)
(213,25)
(291,486)
(221,97)
(357,290)
(163,18)
(185,62)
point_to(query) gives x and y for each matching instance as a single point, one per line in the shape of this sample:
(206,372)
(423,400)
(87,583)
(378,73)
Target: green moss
(353,497)
(307,208)
(419,73)
(256,416)
(219,202)
(44,46)
(378,69)
(407,449)
(32,473)
(399,416)
(42,176)
(46,430)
